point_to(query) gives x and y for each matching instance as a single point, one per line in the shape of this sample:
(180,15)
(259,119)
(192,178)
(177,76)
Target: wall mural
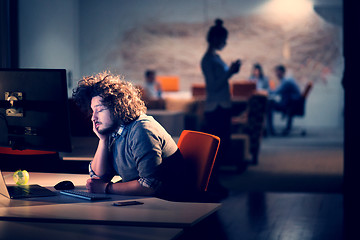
(311,50)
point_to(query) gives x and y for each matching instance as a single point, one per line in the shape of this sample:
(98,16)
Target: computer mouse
(64,185)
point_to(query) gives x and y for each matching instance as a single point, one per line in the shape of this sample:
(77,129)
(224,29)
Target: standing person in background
(257,76)
(218,99)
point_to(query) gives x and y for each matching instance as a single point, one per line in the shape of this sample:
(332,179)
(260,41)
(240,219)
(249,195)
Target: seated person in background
(131,144)
(152,92)
(289,93)
(152,88)
(257,76)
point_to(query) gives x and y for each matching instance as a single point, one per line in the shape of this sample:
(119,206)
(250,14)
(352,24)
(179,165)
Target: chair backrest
(307,89)
(243,89)
(298,108)
(169,83)
(198,90)
(199,150)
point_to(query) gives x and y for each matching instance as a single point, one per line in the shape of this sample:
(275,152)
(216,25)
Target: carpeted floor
(311,163)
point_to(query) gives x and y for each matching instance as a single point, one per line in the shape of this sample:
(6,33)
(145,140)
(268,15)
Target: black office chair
(297,110)
(248,132)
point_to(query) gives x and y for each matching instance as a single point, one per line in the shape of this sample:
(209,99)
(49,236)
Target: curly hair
(119,96)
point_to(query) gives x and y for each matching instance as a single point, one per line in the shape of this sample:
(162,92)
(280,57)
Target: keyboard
(84,195)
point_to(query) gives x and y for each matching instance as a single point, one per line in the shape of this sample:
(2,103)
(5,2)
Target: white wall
(102,23)
(48,35)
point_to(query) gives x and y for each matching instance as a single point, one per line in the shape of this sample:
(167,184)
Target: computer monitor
(34,110)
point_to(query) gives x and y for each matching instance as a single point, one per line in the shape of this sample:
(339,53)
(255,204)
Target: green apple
(21,177)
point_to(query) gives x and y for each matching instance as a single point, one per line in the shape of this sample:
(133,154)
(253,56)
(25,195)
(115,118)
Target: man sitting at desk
(152,94)
(289,93)
(152,88)
(131,144)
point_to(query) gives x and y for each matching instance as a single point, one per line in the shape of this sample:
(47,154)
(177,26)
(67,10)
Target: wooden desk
(238,105)
(63,209)
(61,231)
(50,179)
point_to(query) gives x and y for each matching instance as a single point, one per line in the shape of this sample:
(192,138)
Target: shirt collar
(119,132)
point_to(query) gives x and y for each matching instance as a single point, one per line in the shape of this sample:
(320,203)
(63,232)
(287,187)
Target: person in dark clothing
(289,93)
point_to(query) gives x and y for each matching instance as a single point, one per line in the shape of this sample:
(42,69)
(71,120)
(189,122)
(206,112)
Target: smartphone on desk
(127,203)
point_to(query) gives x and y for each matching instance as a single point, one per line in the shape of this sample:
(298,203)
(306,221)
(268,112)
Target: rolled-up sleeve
(91,172)
(150,183)
(106,177)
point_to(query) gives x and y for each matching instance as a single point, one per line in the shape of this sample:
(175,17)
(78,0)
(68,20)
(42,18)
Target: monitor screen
(34,109)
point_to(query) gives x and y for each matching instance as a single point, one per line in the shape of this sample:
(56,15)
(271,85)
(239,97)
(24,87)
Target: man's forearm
(130,188)
(100,164)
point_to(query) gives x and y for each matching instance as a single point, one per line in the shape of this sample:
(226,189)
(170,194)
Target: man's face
(101,117)
(150,78)
(280,74)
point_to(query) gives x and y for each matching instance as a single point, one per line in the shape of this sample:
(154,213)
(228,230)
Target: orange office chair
(169,83)
(272,84)
(200,150)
